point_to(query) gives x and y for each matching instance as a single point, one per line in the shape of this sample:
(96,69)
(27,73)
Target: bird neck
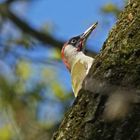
(71,55)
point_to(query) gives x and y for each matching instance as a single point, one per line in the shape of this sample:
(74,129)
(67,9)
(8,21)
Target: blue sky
(72,17)
(69,17)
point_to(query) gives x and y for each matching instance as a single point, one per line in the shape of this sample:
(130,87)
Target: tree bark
(115,70)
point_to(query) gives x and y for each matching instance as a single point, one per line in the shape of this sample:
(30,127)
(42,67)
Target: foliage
(28,82)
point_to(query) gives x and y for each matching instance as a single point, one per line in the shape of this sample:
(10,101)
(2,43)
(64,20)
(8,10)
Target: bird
(75,59)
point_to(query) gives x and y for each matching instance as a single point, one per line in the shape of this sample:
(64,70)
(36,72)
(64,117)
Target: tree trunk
(107,107)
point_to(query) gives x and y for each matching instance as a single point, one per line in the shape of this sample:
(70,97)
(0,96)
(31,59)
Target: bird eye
(73,41)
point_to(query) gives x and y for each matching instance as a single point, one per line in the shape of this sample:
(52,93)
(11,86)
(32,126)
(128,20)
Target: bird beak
(87,33)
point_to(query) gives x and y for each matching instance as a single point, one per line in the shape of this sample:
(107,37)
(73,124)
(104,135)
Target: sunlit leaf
(23,70)
(111,8)
(5,133)
(47,73)
(56,54)
(58,90)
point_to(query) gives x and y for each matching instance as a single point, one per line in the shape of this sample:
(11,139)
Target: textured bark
(116,67)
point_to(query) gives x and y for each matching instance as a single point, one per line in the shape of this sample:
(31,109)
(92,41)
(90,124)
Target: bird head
(75,45)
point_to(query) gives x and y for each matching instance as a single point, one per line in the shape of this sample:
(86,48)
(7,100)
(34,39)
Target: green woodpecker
(75,60)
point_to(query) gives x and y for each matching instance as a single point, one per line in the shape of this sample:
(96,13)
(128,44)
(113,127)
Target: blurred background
(35,86)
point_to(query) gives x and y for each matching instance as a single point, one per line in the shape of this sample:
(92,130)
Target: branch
(8,2)
(45,38)
(25,27)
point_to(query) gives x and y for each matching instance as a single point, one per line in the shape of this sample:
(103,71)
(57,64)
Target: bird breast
(79,71)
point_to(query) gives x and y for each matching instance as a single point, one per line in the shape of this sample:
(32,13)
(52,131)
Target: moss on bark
(118,64)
